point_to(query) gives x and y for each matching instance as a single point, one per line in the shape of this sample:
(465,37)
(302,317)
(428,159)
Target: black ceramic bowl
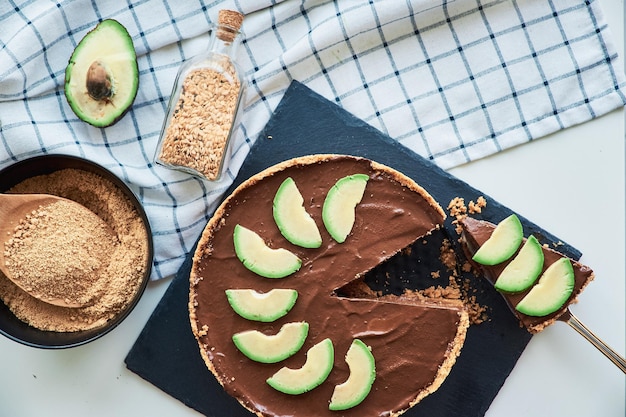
(17,330)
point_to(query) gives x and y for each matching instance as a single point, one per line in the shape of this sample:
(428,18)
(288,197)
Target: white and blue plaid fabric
(452,80)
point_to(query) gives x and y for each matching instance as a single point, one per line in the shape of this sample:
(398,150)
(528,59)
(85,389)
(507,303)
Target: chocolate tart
(414,342)
(475,234)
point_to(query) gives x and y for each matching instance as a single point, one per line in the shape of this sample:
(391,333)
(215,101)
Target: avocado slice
(523,270)
(552,291)
(292,219)
(102,76)
(340,203)
(319,362)
(362,375)
(260,258)
(264,348)
(265,307)
(503,242)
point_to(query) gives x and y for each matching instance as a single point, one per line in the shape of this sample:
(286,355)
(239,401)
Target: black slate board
(166,353)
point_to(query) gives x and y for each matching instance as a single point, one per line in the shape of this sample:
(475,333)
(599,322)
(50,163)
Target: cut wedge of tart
(414,343)
(550,298)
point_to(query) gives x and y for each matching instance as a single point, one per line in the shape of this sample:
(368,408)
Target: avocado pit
(98,83)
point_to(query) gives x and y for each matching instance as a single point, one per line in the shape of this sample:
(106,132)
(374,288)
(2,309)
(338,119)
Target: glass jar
(204,105)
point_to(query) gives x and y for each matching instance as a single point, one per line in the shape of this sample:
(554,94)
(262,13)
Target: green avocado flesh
(102,76)
(264,348)
(552,291)
(292,219)
(523,270)
(503,243)
(358,385)
(319,363)
(265,307)
(338,209)
(260,258)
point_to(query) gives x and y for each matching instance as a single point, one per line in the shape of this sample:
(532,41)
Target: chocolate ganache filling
(414,344)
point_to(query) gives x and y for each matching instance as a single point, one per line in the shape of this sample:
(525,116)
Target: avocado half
(102,76)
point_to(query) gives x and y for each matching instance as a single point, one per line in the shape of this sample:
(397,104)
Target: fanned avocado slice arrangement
(102,76)
(299,228)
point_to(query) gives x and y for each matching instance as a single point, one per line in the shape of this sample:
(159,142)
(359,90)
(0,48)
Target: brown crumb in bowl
(127,261)
(60,251)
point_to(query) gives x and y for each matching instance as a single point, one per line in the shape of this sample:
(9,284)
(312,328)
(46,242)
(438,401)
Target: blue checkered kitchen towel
(452,80)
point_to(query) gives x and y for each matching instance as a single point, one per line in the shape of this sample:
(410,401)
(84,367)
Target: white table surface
(559,374)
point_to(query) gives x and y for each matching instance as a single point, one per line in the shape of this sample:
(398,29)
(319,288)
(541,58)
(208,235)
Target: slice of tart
(534,312)
(414,343)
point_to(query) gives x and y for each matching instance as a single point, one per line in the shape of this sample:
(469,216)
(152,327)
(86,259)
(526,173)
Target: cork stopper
(229,22)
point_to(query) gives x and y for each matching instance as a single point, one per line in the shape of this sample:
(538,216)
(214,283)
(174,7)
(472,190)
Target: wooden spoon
(13,209)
